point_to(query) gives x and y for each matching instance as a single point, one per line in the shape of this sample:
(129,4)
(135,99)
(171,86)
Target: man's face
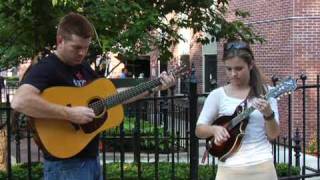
(72,51)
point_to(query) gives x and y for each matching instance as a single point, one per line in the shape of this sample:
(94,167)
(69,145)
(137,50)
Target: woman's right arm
(219,133)
(209,113)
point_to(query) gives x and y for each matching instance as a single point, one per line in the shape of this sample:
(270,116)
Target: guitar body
(63,139)
(231,146)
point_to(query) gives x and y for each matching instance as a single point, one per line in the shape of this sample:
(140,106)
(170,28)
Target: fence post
(194,142)
(303,77)
(297,148)
(9,170)
(103,149)
(284,148)
(318,118)
(274,80)
(289,133)
(137,138)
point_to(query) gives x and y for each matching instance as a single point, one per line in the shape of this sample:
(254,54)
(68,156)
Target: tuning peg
(289,92)
(278,98)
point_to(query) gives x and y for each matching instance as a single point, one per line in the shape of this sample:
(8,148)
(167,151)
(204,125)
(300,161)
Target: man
(66,67)
(124,73)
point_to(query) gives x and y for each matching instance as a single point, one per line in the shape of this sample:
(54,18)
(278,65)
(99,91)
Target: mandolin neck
(240,117)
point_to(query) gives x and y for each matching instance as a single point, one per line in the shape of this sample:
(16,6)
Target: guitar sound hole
(97,106)
(101,116)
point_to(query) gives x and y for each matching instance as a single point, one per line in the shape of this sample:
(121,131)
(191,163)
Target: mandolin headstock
(286,86)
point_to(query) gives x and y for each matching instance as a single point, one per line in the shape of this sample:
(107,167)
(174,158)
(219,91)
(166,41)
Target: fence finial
(274,79)
(303,77)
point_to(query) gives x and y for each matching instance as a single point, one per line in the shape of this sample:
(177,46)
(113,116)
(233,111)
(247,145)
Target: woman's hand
(263,106)
(220,134)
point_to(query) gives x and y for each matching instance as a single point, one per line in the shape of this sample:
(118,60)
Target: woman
(254,158)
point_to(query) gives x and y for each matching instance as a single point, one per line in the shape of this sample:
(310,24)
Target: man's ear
(59,39)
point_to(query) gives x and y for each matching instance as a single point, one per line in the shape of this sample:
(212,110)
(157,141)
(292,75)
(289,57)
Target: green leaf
(129,27)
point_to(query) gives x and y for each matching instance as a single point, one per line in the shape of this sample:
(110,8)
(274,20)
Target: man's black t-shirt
(50,71)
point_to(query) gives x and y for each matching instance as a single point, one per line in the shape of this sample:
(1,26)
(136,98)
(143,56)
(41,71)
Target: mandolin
(63,139)
(236,123)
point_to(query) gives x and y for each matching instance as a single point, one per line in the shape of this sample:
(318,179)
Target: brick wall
(292,31)
(306,35)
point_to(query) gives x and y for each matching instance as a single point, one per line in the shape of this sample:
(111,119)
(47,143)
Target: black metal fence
(161,129)
(299,145)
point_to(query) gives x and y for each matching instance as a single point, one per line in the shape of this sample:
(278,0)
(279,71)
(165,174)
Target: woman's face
(238,71)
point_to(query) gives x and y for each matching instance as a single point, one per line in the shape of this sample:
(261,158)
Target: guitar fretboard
(121,97)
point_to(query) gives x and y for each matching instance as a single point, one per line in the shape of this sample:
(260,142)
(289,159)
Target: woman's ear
(251,66)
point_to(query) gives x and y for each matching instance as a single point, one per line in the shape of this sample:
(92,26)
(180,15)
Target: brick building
(292,32)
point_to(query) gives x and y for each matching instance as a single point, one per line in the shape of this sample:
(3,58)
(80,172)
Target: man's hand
(166,81)
(80,114)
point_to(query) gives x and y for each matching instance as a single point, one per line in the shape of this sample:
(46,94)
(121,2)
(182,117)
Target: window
(210,72)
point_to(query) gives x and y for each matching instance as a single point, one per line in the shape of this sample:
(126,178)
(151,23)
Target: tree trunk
(3,149)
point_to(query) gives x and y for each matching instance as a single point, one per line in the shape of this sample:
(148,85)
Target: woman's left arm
(272,126)
(269,110)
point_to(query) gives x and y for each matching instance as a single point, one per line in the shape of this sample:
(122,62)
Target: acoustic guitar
(63,139)
(236,123)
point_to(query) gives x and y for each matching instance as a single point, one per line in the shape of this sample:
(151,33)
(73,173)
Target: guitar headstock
(180,71)
(286,86)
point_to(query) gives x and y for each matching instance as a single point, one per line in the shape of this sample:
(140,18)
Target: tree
(128,27)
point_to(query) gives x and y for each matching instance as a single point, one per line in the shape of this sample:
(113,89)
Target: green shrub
(3,175)
(146,128)
(20,171)
(282,170)
(12,81)
(312,147)
(164,169)
(147,134)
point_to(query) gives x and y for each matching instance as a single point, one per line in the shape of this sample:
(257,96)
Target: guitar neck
(125,95)
(119,98)
(240,117)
